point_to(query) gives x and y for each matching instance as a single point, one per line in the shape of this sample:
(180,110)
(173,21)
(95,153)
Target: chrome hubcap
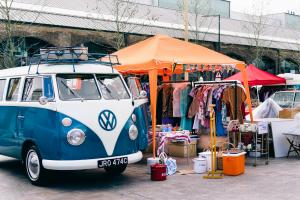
(33,165)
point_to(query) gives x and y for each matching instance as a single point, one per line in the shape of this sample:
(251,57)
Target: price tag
(263,127)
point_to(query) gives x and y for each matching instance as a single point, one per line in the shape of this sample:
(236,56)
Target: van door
(36,121)
(33,90)
(9,144)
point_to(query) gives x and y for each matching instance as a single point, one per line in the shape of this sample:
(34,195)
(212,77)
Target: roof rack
(72,55)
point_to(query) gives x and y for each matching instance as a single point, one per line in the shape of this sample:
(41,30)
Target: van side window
(48,87)
(33,89)
(2,85)
(13,89)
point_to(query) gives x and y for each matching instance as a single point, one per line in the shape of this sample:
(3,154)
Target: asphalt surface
(278,180)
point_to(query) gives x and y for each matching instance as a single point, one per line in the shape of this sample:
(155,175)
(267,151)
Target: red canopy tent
(257,76)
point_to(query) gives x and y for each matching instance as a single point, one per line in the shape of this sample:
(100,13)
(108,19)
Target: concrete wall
(59,36)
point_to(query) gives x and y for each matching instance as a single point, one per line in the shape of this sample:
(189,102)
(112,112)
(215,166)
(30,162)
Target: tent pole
(248,100)
(153,101)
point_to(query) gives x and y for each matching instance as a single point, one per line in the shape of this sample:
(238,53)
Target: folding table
(294,140)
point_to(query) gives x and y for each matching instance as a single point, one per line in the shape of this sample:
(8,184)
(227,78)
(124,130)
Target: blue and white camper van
(70,114)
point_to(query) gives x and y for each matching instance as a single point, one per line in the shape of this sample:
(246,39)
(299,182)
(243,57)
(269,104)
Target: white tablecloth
(279,127)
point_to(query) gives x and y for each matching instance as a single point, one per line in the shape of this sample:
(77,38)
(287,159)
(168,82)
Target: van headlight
(133,117)
(76,137)
(133,132)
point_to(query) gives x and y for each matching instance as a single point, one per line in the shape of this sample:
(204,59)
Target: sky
(268,6)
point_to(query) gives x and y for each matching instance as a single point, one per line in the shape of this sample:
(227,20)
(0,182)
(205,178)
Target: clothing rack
(181,81)
(213,83)
(223,83)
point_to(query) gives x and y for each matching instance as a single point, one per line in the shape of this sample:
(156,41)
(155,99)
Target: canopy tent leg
(248,100)
(153,100)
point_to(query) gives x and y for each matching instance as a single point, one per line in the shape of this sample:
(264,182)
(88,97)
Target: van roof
(58,68)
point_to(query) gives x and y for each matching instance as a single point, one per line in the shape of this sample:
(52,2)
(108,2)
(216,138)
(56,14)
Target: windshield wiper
(72,91)
(107,89)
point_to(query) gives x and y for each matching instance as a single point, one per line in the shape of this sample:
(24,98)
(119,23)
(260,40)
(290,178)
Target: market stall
(268,111)
(256,76)
(163,55)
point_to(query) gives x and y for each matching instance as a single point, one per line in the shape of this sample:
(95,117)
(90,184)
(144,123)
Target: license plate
(112,162)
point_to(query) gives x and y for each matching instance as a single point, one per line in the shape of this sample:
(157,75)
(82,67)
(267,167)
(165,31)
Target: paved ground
(279,180)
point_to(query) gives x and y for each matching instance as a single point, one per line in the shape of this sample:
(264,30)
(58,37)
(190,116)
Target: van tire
(35,171)
(117,170)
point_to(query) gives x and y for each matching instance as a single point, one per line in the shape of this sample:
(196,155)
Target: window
(48,87)
(77,87)
(2,85)
(112,86)
(289,66)
(33,89)
(13,89)
(297,100)
(134,85)
(284,99)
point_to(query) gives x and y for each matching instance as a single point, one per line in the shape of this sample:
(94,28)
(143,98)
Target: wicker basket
(222,147)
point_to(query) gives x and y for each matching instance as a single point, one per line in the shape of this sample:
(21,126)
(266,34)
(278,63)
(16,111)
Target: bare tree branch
(124,14)
(11,23)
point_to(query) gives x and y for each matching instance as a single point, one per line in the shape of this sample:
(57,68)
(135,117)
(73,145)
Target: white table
(279,128)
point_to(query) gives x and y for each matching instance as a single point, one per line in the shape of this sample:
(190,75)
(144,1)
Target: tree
(256,27)
(11,23)
(199,19)
(8,47)
(126,18)
(200,8)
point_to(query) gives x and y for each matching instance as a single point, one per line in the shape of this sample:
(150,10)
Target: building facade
(272,42)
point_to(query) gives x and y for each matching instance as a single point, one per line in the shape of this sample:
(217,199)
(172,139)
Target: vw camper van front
(71,115)
(100,121)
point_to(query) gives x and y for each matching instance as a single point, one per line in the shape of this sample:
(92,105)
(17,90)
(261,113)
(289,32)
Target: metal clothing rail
(214,83)
(181,81)
(223,83)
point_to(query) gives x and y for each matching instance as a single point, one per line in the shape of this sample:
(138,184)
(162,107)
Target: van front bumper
(86,164)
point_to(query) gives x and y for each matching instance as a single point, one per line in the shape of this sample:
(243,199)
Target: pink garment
(203,107)
(194,107)
(175,135)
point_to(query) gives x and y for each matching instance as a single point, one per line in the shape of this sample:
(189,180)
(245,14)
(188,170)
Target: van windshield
(84,87)
(112,87)
(284,99)
(77,87)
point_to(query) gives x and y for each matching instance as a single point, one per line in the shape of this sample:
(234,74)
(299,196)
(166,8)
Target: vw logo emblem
(107,120)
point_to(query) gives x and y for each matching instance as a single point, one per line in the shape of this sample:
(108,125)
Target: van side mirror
(143,94)
(43,100)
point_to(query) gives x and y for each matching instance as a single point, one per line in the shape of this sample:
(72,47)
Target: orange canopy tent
(160,55)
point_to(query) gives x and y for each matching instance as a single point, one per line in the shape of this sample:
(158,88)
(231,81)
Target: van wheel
(116,170)
(35,171)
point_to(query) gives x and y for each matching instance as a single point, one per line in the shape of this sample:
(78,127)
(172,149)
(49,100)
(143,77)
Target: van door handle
(21,117)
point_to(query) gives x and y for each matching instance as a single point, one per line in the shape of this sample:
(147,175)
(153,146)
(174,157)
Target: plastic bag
(171,166)
(268,109)
(169,162)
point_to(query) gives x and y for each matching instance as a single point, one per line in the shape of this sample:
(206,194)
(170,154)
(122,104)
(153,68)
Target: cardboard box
(204,142)
(288,113)
(180,149)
